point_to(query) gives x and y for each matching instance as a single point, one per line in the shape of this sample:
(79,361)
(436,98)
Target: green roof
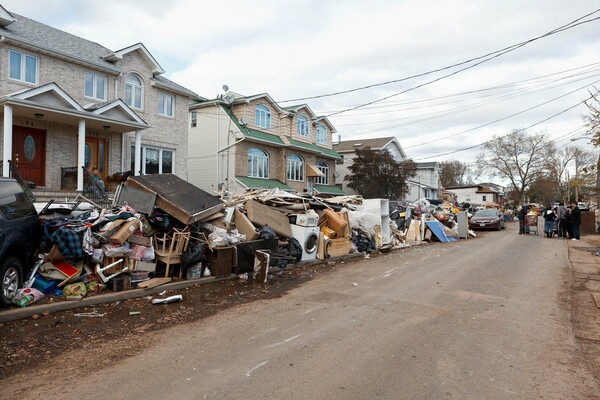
(328,189)
(314,148)
(270,138)
(257,183)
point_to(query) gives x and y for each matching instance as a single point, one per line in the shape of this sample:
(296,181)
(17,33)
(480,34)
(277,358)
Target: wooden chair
(170,247)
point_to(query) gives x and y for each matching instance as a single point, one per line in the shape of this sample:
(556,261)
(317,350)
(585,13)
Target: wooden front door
(29,154)
(96,155)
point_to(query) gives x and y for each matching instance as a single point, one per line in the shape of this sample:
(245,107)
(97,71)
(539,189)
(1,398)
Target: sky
(368,66)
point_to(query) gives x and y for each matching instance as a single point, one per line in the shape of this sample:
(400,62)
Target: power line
(484,58)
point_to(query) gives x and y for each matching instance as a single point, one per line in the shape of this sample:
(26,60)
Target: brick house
(238,143)
(70,103)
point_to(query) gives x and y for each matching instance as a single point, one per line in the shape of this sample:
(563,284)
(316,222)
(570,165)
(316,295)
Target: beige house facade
(68,104)
(239,143)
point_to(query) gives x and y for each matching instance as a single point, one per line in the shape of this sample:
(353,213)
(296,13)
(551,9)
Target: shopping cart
(531,225)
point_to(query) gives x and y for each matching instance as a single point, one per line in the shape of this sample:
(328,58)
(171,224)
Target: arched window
(302,125)
(295,168)
(324,168)
(262,117)
(258,164)
(321,135)
(134,91)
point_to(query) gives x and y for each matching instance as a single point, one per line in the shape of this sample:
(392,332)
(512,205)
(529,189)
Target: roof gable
(118,110)
(49,94)
(351,145)
(6,18)
(118,55)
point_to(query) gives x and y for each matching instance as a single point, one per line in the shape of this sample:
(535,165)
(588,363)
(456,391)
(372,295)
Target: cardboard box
(55,254)
(339,247)
(244,226)
(125,231)
(141,240)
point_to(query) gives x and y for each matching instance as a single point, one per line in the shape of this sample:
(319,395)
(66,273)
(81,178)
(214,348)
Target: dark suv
(20,233)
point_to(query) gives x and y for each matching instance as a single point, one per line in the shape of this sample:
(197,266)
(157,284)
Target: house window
(154,160)
(22,67)
(94,86)
(484,198)
(321,135)
(258,164)
(262,117)
(295,168)
(134,91)
(324,168)
(302,125)
(194,119)
(165,104)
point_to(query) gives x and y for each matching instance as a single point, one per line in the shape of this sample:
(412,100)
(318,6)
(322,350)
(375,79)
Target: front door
(96,155)
(29,154)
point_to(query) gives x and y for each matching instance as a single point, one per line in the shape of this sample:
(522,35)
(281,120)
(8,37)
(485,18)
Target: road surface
(484,318)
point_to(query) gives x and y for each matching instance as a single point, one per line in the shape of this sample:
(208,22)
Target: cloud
(295,49)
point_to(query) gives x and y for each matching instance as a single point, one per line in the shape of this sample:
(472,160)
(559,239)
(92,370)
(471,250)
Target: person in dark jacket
(575,221)
(522,215)
(549,218)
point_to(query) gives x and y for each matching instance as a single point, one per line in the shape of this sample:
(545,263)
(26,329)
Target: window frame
(23,67)
(194,119)
(324,168)
(294,168)
(302,126)
(94,94)
(261,161)
(262,116)
(321,131)
(161,110)
(138,85)
(161,152)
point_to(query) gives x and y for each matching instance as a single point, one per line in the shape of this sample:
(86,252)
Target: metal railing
(14,173)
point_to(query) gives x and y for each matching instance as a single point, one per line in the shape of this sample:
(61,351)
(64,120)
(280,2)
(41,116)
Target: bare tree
(592,120)
(453,173)
(518,157)
(556,170)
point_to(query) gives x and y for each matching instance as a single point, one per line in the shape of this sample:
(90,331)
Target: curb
(64,305)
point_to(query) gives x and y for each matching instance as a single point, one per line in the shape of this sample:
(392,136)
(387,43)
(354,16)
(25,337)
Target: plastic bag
(295,249)
(24,297)
(267,233)
(194,254)
(75,289)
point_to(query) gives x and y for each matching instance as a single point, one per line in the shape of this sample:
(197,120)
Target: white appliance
(310,218)
(308,236)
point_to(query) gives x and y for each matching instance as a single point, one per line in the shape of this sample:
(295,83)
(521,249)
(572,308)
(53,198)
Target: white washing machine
(308,236)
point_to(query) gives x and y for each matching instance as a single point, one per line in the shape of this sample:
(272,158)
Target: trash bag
(295,249)
(194,254)
(267,233)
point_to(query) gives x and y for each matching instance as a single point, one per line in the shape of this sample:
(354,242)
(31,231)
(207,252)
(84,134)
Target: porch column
(8,134)
(138,153)
(80,154)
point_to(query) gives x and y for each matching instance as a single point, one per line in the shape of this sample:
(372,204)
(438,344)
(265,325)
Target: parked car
(20,233)
(487,219)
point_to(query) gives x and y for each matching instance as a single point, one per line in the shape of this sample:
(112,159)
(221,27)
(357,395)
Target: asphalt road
(486,318)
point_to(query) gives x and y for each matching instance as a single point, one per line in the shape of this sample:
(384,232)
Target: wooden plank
(264,215)
(150,283)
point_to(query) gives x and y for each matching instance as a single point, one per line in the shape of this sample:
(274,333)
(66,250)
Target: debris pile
(162,228)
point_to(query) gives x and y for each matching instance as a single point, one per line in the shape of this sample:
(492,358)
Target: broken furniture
(177,197)
(221,260)
(110,269)
(170,247)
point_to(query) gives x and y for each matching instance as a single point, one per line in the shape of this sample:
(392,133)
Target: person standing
(561,217)
(522,215)
(549,218)
(575,221)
